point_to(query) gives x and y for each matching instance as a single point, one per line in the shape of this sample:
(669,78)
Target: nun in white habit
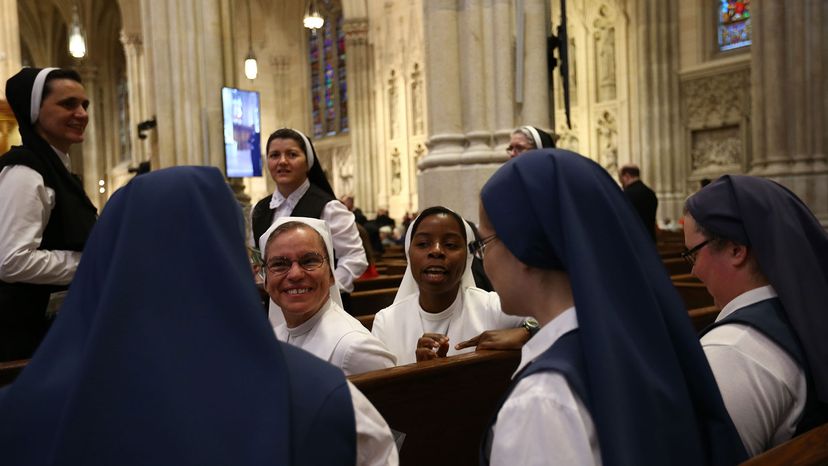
(299,280)
(438,311)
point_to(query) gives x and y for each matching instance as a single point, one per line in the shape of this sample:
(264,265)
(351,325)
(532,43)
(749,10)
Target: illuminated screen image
(242,133)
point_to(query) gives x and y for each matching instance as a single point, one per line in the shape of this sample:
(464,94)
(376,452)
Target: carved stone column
(474,96)
(658,104)
(134,55)
(503,77)
(445,118)
(92,166)
(9,40)
(360,111)
(536,110)
(790,102)
(185,74)
(9,65)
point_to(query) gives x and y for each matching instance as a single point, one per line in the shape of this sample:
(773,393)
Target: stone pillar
(503,81)
(658,105)
(360,111)
(185,75)
(9,41)
(91,165)
(9,65)
(473,91)
(536,111)
(445,117)
(790,102)
(134,56)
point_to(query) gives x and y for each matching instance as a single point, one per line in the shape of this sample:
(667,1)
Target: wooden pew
(808,449)
(367,321)
(670,251)
(392,267)
(443,405)
(676,266)
(377,283)
(694,294)
(371,301)
(10,370)
(685,277)
(702,317)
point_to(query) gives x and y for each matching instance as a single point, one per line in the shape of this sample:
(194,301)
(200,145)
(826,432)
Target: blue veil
(161,353)
(652,394)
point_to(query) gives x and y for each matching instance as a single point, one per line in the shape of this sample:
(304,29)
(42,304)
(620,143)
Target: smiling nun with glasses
(300,281)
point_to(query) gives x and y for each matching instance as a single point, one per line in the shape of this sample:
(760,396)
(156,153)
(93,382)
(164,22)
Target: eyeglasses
(281,265)
(476,248)
(517,149)
(690,254)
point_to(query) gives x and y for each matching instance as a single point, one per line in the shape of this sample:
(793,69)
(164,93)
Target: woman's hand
(432,345)
(506,339)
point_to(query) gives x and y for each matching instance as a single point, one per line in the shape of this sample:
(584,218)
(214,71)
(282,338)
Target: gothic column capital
(356,30)
(131,39)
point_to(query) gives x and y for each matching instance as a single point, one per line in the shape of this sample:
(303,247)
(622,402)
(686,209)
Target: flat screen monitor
(242,132)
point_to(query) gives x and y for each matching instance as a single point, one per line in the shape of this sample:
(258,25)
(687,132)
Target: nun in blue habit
(161,353)
(616,374)
(791,249)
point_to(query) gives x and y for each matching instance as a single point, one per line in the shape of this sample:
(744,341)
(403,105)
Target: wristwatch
(531,325)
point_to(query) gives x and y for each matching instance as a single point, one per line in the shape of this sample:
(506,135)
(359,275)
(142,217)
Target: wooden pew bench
(10,370)
(808,449)
(371,301)
(392,266)
(377,283)
(443,406)
(703,316)
(694,294)
(676,266)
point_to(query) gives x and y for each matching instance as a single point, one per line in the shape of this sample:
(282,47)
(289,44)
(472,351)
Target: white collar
(447,312)
(746,299)
(293,198)
(307,325)
(547,336)
(63,158)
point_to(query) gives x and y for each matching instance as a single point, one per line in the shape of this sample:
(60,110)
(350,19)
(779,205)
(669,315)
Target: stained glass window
(734,29)
(326,58)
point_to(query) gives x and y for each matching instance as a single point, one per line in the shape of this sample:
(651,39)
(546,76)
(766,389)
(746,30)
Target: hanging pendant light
(313,20)
(77,40)
(251,66)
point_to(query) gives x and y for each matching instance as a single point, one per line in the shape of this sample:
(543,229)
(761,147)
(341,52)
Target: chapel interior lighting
(77,41)
(313,20)
(251,66)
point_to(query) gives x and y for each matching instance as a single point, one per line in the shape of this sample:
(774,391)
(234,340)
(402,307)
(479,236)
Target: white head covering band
(309,152)
(320,227)
(408,285)
(37,92)
(532,133)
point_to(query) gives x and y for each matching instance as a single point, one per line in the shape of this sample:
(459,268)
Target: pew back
(443,406)
(371,301)
(808,449)
(10,370)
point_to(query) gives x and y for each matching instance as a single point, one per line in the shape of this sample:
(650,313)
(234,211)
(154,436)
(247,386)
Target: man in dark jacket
(642,197)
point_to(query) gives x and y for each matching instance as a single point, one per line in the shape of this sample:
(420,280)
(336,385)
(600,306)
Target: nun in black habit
(46,215)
